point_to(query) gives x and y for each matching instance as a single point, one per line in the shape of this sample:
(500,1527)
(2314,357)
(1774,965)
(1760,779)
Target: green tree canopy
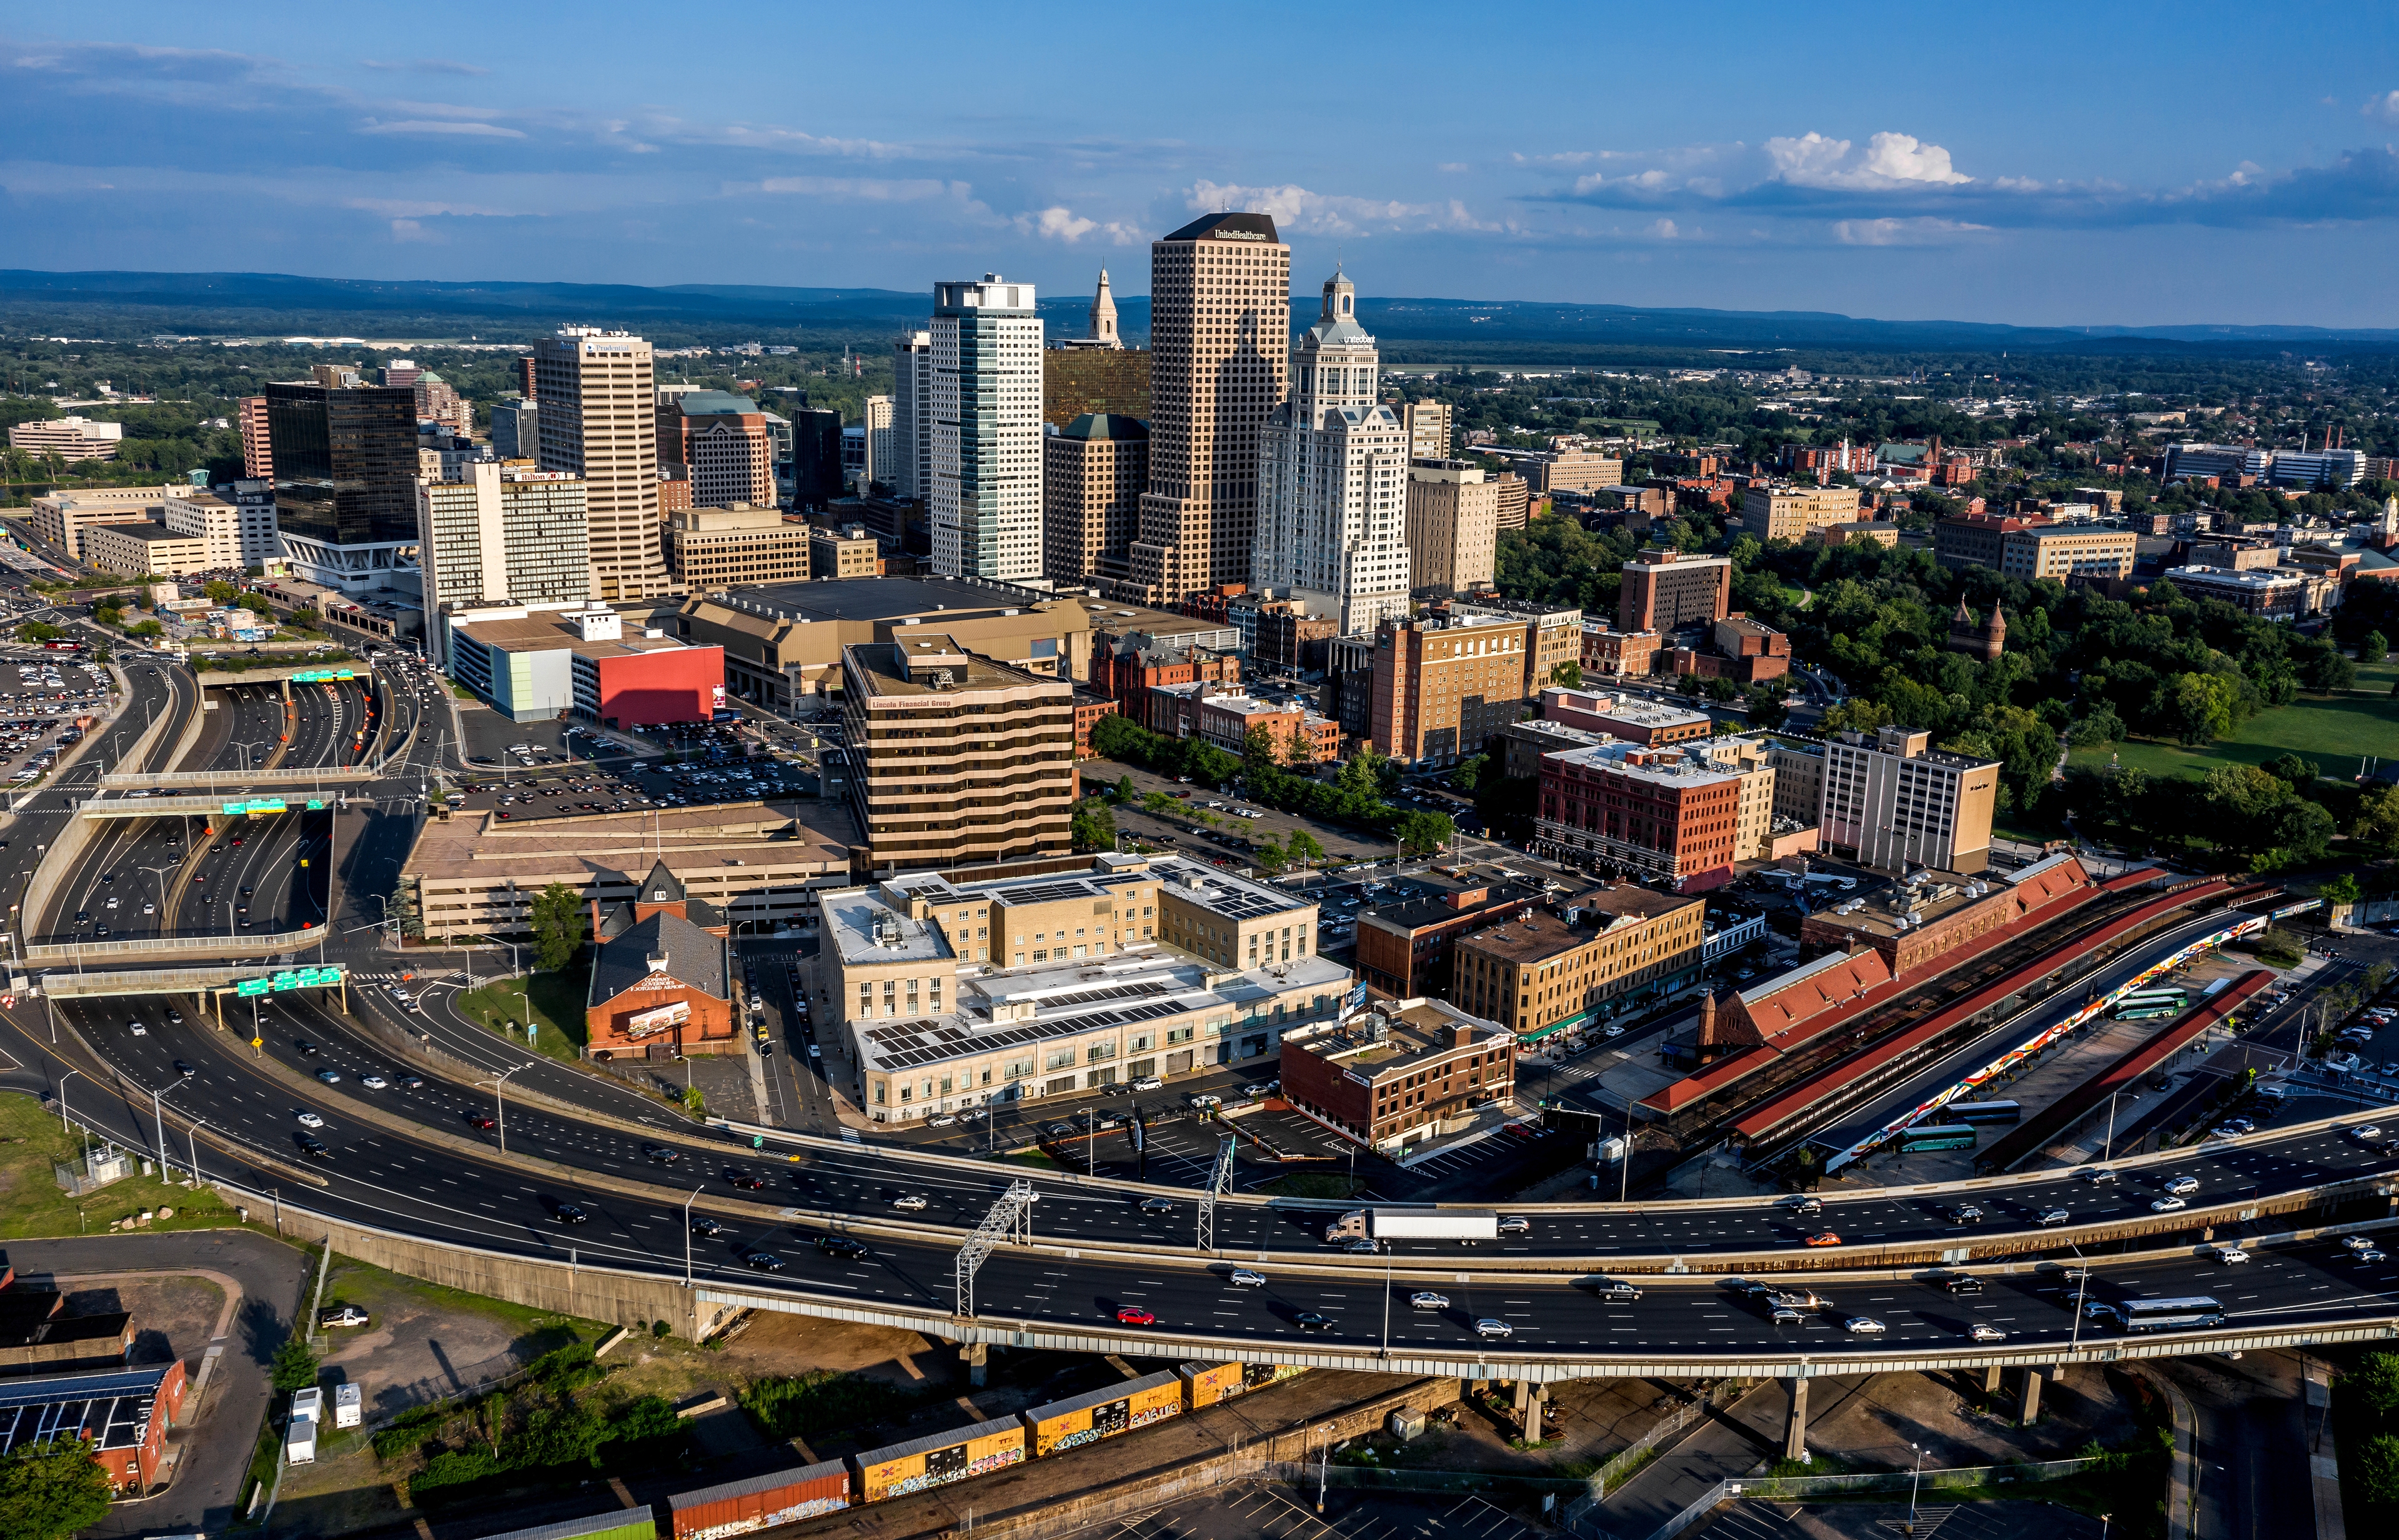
(50,1492)
(294,1366)
(558,926)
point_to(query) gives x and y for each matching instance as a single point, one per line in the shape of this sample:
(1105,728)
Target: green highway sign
(250,986)
(322,676)
(316,804)
(260,805)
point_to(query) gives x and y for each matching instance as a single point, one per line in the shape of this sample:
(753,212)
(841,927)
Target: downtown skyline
(1870,161)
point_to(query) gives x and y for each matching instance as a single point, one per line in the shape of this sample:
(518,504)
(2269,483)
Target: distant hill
(1484,329)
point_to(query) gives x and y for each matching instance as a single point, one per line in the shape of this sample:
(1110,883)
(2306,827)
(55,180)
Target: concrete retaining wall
(563,1285)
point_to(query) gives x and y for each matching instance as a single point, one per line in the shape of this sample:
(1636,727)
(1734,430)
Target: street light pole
(63,1124)
(1915,1486)
(500,1106)
(196,1152)
(686,1233)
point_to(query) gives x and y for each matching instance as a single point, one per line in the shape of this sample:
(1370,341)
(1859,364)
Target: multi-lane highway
(305,1036)
(633,1218)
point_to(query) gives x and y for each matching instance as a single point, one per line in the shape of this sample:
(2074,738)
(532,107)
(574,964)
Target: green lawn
(555,1001)
(31,1203)
(2335,730)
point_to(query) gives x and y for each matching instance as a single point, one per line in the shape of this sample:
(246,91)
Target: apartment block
(1686,812)
(724,442)
(879,428)
(1635,720)
(1404,944)
(1220,330)
(1427,428)
(843,552)
(257,450)
(1574,470)
(956,759)
(1666,589)
(1596,953)
(63,518)
(70,438)
(1895,802)
(1226,718)
(912,415)
(984,501)
(1784,512)
(2063,551)
(599,421)
(709,550)
(1798,767)
(2274,593)
(1452,526)
(239,531)
(1610,654)
(145,550)
(1407,1071)
(1441,689)
(1092,474)
(501,535)
(1963,540)
(1514,497)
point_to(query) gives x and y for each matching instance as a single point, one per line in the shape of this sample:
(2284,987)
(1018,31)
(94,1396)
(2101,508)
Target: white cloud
(2385,107)
(1901,232)
(867,189)
(408,230)
(1061,223)
(1889,161)
(425,66)
(1665,229)
(427,125)
(1329,213)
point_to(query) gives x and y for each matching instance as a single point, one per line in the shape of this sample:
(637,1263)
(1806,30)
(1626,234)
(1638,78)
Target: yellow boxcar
(1206,1383)
(1103,1414)
(897,1469)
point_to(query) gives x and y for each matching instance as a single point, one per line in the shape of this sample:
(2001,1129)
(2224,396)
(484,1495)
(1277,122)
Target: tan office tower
(599,421)
(1220,345)
(1427,424)
(1453,527)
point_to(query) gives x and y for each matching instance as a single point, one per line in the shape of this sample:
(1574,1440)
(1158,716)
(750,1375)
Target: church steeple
(1104,315)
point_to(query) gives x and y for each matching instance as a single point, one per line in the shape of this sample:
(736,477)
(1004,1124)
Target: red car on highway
(481,1120)
(1133,1315)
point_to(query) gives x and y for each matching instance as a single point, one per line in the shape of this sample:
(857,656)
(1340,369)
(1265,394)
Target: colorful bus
(2169,1315)
(2142,1005)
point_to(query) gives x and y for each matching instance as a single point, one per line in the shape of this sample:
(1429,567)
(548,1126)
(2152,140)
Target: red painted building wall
(672,684)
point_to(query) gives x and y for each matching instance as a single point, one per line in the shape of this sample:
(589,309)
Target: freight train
(958,1455)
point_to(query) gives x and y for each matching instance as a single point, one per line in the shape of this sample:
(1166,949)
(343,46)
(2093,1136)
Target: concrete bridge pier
(977,1357)
(2030,1406)
(1990,1379)
(1795,1427)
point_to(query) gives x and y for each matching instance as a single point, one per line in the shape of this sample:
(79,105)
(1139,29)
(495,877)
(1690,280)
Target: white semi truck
(1464,1225)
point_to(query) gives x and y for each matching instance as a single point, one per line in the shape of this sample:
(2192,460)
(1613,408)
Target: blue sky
(2034,163)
